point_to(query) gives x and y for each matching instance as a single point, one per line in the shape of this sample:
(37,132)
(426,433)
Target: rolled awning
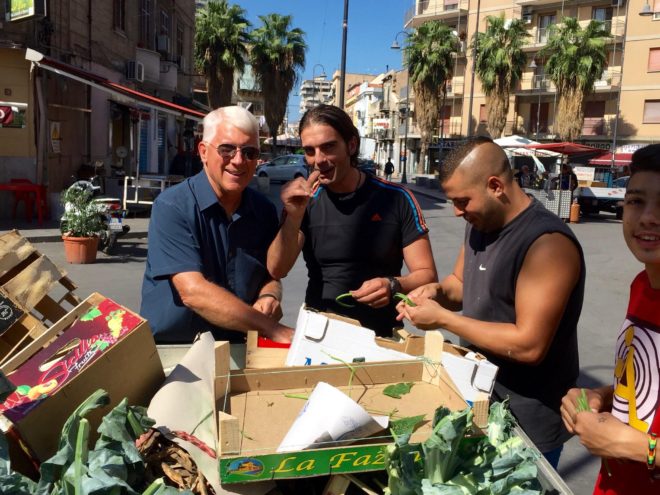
(114,88)
(620,159)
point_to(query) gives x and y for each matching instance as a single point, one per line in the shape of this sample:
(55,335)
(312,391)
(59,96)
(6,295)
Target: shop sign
(381,124)
(26,9)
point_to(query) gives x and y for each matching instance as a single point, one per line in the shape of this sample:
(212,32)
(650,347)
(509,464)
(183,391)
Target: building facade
(314,92)
(629,87)
(114,85)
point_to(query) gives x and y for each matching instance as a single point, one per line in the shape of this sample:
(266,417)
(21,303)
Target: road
(610,269)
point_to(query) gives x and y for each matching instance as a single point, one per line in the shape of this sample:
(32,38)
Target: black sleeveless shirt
(492,263)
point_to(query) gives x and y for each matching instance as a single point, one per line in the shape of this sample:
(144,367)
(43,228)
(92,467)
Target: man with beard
(519,281)
(355,230)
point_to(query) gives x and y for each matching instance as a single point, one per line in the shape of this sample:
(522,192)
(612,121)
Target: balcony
(455,86)
(426,10)
(609,80)
(615,27)
(535,83)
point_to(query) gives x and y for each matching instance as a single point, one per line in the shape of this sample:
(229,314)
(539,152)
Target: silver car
(283,168)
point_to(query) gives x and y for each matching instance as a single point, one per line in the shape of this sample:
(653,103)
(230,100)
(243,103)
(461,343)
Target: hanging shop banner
(26,9)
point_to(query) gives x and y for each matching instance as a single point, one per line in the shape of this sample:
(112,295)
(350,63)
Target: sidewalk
(50,230)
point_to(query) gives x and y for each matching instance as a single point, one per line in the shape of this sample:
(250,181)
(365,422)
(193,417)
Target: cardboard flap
(317,324)
(484,376)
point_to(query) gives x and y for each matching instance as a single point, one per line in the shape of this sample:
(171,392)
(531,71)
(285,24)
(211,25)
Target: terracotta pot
(80,250)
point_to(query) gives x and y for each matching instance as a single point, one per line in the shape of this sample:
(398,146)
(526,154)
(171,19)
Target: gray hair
(235,116)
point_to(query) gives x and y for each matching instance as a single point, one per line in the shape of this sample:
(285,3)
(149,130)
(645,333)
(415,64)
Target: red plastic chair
(27,197)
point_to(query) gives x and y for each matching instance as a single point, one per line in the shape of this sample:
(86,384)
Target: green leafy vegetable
(454,462)
(113,467)
(398,389)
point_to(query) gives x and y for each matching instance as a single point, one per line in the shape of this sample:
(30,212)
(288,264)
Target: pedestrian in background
(389,169)
(520,311)
(355,230)
(623,420)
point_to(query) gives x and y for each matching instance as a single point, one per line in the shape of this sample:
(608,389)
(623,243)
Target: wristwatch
(395,286)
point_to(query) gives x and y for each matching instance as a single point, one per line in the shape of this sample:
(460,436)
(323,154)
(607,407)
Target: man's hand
(279,333)
(296,193)
(427,291)
(269,306)
(427,315)
(569,405)
(374,293)
(602,434)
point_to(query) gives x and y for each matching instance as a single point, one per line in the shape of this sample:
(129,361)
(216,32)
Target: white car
(283,168)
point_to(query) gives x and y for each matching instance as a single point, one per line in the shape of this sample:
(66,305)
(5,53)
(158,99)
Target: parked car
(367,166)
(283,168)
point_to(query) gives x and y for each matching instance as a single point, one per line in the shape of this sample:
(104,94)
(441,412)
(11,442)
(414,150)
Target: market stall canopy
(285,140)
(620,159)
(565,148)
(99,82)
(514,141)
(516,146)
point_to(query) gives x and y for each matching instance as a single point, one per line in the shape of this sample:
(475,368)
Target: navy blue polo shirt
(189,231)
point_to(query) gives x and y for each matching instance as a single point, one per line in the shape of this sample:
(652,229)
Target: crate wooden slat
(33,283)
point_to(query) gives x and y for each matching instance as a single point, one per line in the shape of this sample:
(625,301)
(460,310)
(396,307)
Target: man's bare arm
(222,308)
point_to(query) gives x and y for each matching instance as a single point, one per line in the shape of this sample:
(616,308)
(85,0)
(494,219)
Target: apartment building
(314,91)
(630,86)
(94,80)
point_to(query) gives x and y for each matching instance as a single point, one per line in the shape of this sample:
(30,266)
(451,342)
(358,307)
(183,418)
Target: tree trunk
(219,84)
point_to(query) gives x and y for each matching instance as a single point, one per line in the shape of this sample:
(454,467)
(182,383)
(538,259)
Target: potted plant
(80,224)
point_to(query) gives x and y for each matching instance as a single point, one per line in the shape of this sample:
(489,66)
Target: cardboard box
(255,414)
(320,337)
(99,344)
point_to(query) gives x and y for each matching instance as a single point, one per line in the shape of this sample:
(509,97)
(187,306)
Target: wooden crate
(34,294)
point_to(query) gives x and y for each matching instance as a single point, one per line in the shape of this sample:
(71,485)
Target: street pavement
(610,269)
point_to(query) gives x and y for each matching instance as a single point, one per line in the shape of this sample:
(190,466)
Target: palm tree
(429,53)
(499,64)
(221,39)
(576,58)
(278,52)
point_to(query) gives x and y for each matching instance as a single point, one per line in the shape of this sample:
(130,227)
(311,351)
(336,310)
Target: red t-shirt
(636,389)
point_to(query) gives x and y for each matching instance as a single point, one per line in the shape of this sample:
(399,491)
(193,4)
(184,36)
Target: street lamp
(396,46)
(646,10)
(342,74)
(532,65)
(474,67)
(322,74)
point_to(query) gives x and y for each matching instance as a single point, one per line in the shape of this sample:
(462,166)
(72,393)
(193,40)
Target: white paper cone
(327,417)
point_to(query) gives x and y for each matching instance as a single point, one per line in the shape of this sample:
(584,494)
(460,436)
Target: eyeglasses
(229,151)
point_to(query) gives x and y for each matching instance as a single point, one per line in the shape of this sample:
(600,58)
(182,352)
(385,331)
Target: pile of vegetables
(454,460)
(113,466)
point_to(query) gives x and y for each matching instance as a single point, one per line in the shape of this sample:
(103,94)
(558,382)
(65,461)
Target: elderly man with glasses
(208,239)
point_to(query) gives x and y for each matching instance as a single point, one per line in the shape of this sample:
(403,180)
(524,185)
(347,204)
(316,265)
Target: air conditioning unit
(163,43)
(527,18)
(134,71)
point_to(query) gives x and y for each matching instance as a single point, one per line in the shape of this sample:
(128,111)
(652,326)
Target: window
(654,60)
(656,10)
(164,23)
(483,115)
(119,15)
(179,40)
(594,118)
(545,21)
(651,112)
(604,15)
(145,34)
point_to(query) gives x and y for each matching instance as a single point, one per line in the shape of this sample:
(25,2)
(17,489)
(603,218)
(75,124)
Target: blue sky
(372,26)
